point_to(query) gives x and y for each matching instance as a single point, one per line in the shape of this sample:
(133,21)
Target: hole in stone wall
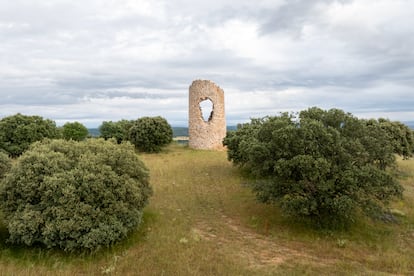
(206,107)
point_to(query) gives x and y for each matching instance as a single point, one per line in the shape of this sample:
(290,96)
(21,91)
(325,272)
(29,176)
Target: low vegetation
(19,131)
(74,131)
(118,130)
(74,195)
(5,164)
(325,167)
(401,137)
(203,220)
(150,134)
(71,208)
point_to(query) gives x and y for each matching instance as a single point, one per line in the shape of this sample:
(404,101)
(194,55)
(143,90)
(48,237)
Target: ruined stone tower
(206,133)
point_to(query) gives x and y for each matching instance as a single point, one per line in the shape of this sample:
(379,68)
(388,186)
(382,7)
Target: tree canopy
(150,134)
(74,195)
(118,130)
(17,132)
(323,166)
(5,164)
(74,131)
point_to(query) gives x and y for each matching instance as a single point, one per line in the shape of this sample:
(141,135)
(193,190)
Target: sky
(100,60)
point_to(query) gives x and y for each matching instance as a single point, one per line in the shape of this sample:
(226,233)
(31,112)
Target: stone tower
(206,133)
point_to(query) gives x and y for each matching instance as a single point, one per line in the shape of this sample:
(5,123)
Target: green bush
(74,195)
(74,131)
(324,166)
(402,137)
(150,134)
(118,130)
(17,132)
(5,164)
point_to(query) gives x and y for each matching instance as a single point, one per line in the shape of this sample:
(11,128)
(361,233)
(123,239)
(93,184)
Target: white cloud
(110,59)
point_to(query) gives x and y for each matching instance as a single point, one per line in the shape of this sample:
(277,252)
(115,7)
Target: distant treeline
(177,131)
(183,131)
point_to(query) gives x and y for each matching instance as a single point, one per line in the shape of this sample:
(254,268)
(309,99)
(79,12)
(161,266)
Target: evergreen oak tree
(322,166)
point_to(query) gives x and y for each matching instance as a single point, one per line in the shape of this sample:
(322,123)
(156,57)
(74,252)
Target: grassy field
(203,220)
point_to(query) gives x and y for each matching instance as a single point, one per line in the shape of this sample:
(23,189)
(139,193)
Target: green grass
(203,220)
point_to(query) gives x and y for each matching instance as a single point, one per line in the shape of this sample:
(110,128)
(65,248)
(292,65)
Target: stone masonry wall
(202,134)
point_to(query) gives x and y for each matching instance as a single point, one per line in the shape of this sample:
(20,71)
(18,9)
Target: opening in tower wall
(207,109)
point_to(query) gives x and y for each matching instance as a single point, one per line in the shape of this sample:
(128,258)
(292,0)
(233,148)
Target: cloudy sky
(97,60)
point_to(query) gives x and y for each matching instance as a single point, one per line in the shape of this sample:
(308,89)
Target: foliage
(220,209)
(74,131)
(5,164)
(324,166)
(17,132)
(74,195)
(118,130)
(150,134)
(401,136)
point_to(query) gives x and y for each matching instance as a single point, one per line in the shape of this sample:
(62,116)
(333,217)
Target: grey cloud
(61,54)
(105,82)
(36,96)
(135,95)
(292,15)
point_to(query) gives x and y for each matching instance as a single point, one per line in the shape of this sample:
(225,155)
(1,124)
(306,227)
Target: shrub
(74,195)
(402,137)
(150,134)
(118,130)
(74,131)
(324,166)
(17,132)
(5,164)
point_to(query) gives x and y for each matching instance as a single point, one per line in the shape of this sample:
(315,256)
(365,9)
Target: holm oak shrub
(150,134)
(74,195)
(17,132)
(5,164)
(322,166)
(118,130)
(74,131)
